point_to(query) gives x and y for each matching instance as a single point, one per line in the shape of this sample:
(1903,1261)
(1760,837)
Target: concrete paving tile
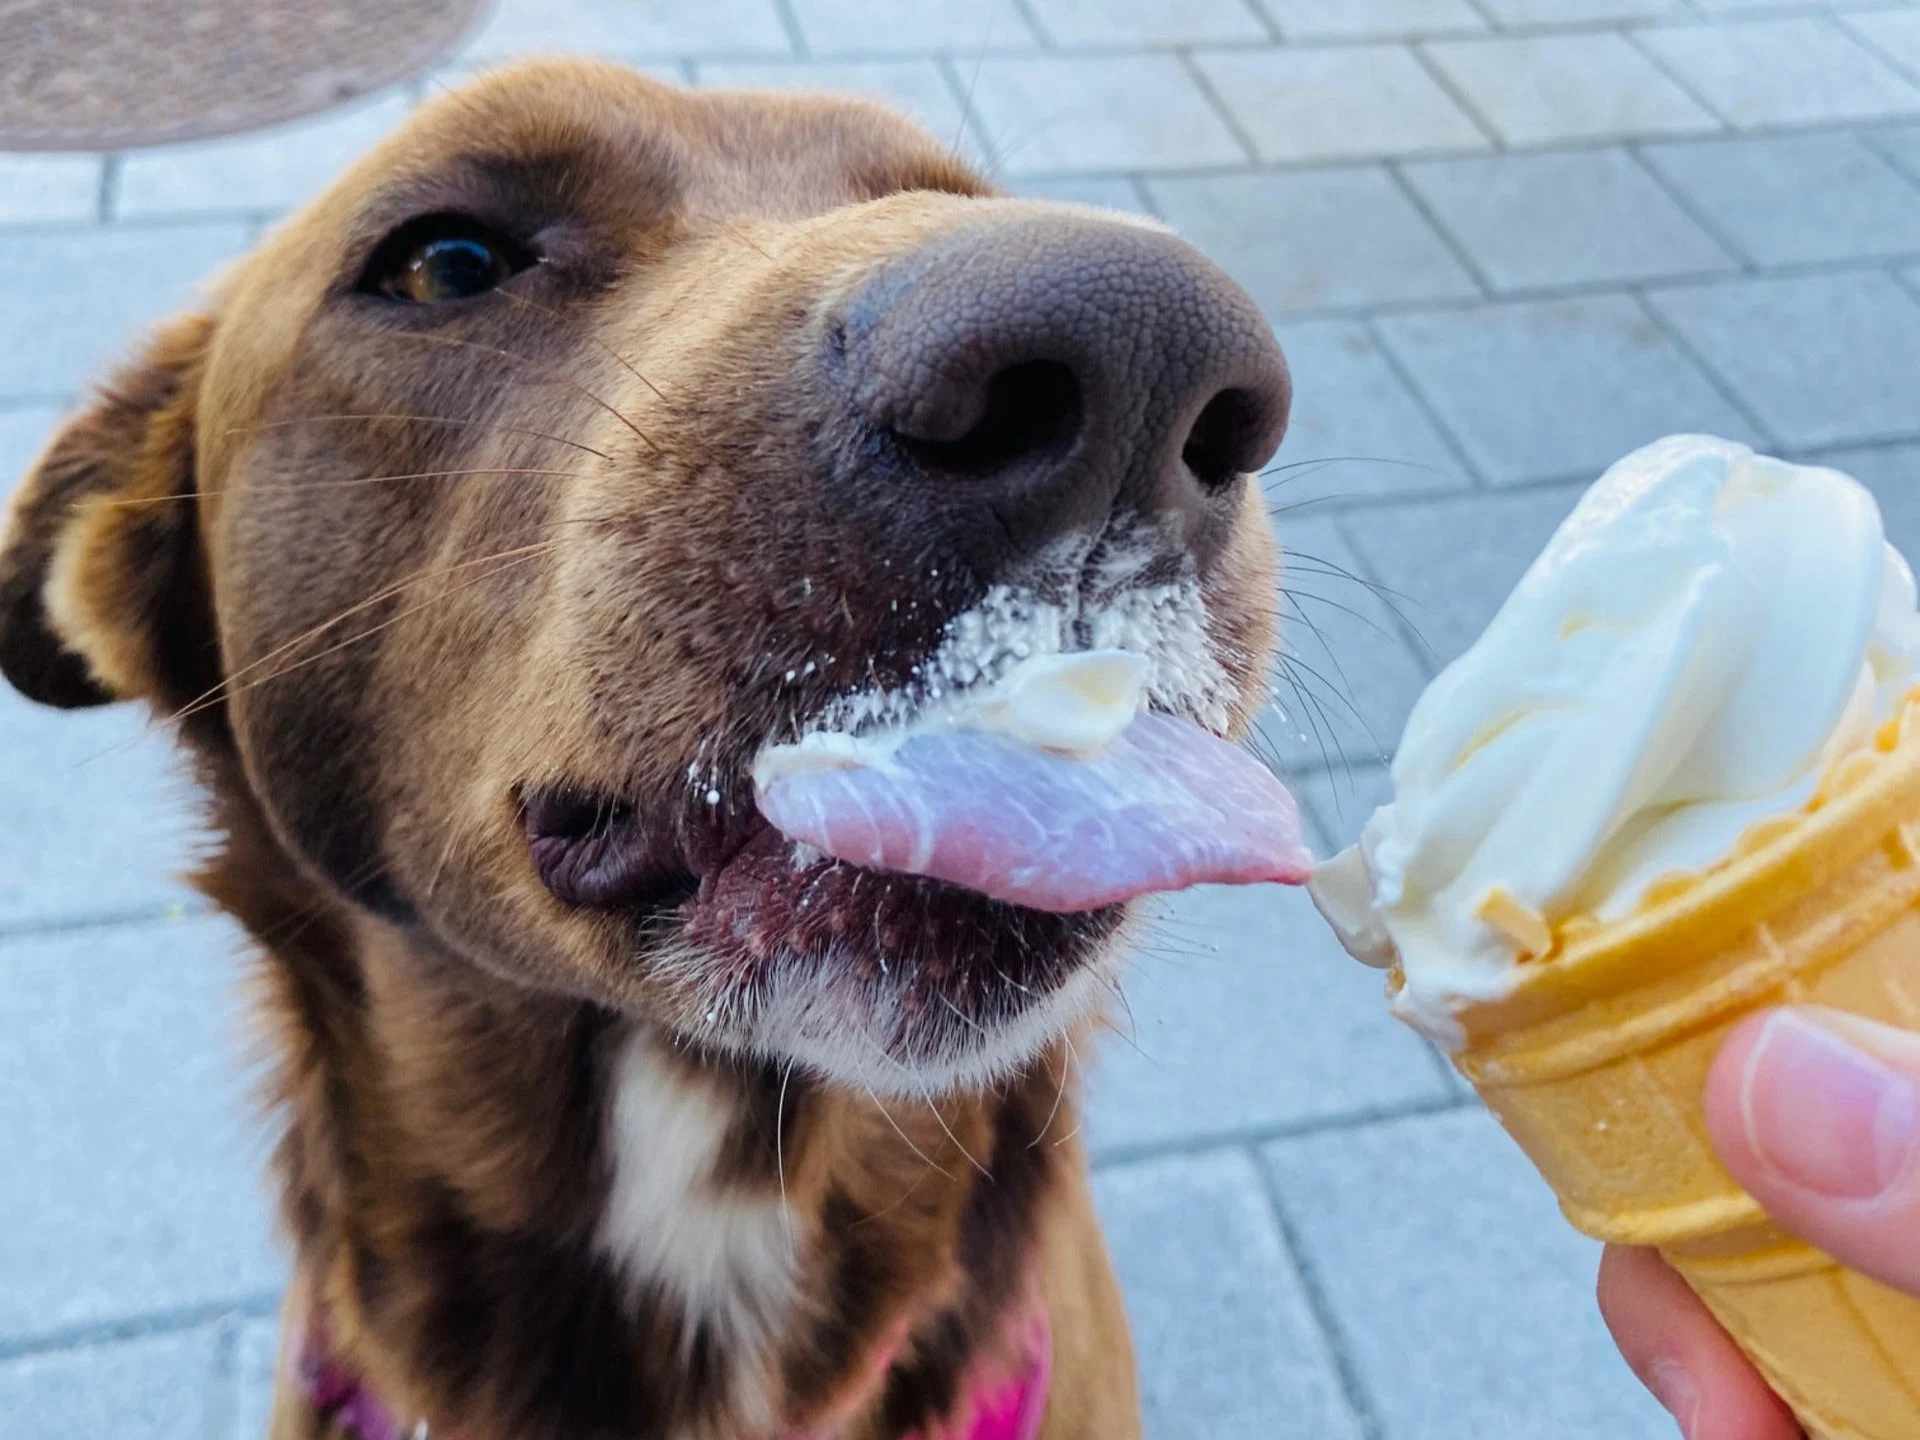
(630,29)
(85,294)
(1457,560)
(1242,1014)
(99,824)
(915,87)
(1146,22)
(1569,218)
(158,1387)
(1355,428)
(1550,388)
(1338,103)
(1314,239)
(22,433)
(1107,192)
(1893,474)
(1548,89)
(1580,12)
(43,189)
(1792,199)
(967,28)
(267,170)
(1055,114)
(1347,677)
(1465,1299)
(1341,801)
(1372,19)
(1895,34)
(1793,71)
(1226,1341)
(1822,359)
(1900,144)
(134,1178)
(256,1354)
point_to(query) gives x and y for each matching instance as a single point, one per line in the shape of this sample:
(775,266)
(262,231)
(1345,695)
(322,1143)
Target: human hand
(1817,1115)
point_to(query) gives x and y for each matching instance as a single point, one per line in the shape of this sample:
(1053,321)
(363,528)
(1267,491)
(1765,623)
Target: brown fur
(623,534)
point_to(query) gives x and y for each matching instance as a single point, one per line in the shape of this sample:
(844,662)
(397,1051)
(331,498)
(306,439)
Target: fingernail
(1824,1115)
(1673,1387)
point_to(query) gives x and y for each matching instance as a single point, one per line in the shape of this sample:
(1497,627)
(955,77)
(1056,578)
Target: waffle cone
(1596,1063)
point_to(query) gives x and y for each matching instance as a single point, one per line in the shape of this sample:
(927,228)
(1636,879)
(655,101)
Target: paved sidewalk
(1504,241)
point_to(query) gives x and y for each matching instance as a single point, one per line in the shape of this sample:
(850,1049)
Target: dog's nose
(1045,371)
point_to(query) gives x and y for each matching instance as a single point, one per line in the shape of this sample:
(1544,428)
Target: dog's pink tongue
(1164,806)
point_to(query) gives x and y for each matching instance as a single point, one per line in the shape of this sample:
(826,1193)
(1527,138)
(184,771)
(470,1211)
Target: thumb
(1817,1114)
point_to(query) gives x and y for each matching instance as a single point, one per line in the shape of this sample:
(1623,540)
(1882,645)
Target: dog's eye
(441,258)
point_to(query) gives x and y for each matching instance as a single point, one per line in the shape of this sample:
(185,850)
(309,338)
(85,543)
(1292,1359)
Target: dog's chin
(892,984)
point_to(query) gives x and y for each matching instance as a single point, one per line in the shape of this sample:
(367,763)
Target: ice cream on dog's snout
(1699,642)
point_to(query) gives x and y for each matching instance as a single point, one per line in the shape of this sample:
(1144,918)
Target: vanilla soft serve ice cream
(1702,637)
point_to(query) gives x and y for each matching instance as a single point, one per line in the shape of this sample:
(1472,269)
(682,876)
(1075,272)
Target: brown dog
(494,514)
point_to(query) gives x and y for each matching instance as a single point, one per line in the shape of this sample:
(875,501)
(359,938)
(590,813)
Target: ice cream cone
(1596,1063)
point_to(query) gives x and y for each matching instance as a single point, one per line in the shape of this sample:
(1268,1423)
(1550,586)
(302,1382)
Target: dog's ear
(102,595)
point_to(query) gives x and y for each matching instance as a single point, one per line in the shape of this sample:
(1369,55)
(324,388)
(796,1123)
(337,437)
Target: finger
(1676,1347)
(1817,1115)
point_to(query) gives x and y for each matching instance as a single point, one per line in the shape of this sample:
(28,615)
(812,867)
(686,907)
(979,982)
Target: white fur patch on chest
(726,1257)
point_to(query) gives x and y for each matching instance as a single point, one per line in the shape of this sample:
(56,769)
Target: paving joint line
(1204,83)
(252,1305)
(1684,344)
(1346,1368)
(108,200)
(12,932)
(1039,33)
(1457,94)
(1636,151)
(1878,140)
(1265,21)
(1200,1143)
(1455,245)
(1631,34)
(790,22)
(1909,73)
(1453,439)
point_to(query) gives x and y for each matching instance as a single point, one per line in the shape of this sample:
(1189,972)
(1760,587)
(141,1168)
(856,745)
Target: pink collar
(997,1406)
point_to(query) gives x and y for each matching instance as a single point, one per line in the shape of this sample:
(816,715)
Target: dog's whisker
(1344,690)
(1296,595)
(310,486)
(1059,1097)
(1308,706)
(630,367)
(969,118)
(225,687)
(547,378)
(747,240)
(780,1162)
(906,1139)
(1073,1058)
(381,415)
(1315,463)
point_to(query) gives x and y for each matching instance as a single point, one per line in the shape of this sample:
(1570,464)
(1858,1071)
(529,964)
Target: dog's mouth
(936,872)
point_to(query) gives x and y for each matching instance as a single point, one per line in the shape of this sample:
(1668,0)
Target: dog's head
(587,437)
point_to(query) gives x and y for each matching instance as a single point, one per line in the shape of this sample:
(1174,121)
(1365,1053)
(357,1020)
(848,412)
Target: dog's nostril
(1227,438)
(1032,412)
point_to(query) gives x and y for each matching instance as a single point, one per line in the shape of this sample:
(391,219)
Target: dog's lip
(767,905)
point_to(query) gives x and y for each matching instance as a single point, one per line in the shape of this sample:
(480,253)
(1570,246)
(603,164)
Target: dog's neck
(524,1217)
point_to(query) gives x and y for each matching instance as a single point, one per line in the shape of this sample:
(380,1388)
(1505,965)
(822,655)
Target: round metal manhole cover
(112,74)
